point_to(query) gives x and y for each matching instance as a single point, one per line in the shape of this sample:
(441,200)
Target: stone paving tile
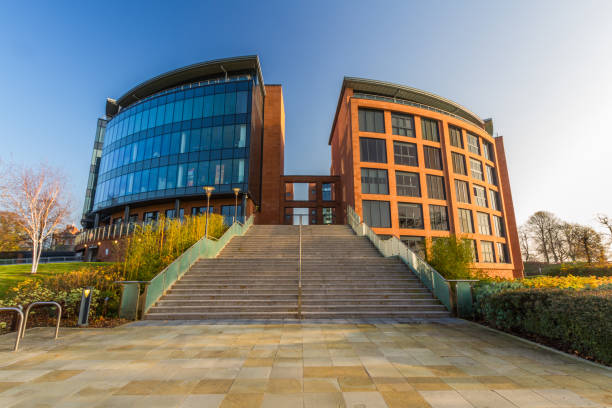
(348,363)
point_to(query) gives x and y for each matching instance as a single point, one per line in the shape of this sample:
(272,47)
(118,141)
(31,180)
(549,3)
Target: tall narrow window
(462,191)
(429,129)
(465,221)
(484,225)
(407,184)
(410,215)
(371,120)
(476,168)
(474,251)
(435,187)
(402,125)
(480,196)
(459,163)
(491,176)
(455,136)
(376,214)
(438,216)
(374,181)
(373,150)
(473,145)
(487,251)
(433,157)
(498,225)
(502,253)
(495,202)
(487,151)
(405,154)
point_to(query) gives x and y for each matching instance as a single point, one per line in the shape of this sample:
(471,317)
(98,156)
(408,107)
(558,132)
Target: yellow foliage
(566,282)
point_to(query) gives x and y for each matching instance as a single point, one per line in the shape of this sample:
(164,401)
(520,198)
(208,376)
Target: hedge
(576,321)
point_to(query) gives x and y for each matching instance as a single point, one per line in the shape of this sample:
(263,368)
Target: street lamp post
(236,191)
(209,190)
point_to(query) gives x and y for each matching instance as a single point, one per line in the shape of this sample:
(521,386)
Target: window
(150,216)
(487,251)
(228,211)
(373,150)
(433,157)
(465,221)
(172,213)
(402,125)
(371,120)
(328,191)
(410,215)
(487,151)
(476,168)
(473,145)
(329,215)
(415,244)
(462,192)
(484,225)
(374,181)
(430,129)
(498,225)
(491,176)
(438,216)
(458,163)
(435,187)
(480,196)
(455,136)
(201,210)
(405,154)
(407,184)
(502,253)
(376,214)
(474,251)
(495,202)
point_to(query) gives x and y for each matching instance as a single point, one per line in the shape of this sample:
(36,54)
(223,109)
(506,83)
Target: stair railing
(134,304)
(431,278)
(299,311)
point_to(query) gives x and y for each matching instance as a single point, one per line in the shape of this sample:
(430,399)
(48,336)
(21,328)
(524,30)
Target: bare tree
(524,242)
(605,221)
(571,236)
(540,225)
(591,246)
(38,199)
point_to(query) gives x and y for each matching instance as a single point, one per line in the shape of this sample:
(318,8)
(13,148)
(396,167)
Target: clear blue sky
(541,70)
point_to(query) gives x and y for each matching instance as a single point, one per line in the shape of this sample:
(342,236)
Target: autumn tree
(12,236)
(38,199)
(540,225)
(590,244)
(605,221)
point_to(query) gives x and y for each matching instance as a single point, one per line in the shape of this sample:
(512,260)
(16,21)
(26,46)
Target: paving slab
(349,363)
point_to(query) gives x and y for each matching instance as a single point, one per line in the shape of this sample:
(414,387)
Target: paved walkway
(437,364)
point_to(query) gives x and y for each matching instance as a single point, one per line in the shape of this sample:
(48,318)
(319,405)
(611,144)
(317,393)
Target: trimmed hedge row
(577,321)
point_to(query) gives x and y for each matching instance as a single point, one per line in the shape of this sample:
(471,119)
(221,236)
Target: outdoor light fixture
(209,190)
(236,191)
(85,305)
(99,243)
(116,242)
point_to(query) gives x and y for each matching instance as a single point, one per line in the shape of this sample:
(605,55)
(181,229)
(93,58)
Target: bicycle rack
(20,314)
(27,313)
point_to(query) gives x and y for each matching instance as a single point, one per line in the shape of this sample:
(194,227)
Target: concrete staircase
(256,277)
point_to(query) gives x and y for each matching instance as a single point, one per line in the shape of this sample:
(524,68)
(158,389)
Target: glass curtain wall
(172,144)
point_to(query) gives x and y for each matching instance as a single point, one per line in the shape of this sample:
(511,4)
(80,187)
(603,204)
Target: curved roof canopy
(185,75)
(388,89)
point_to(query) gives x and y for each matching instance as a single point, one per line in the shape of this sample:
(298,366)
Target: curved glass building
(168,137)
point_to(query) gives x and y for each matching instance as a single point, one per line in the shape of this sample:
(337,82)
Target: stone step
(288,308)
(221,315)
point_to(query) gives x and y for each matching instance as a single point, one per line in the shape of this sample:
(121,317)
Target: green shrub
(577,321)
(451,256)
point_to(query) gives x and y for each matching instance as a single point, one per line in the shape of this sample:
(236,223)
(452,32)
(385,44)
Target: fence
(436,283)
(43,259)
(133,304)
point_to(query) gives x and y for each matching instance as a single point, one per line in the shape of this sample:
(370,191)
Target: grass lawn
(11,275)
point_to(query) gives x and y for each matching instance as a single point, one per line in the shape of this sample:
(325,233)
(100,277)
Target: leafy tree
(12,236)
(451,256)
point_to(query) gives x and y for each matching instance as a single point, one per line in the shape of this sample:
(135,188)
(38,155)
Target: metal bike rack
(27,313)
(20,314)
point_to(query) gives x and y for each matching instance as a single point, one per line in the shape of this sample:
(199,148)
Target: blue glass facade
(173,143)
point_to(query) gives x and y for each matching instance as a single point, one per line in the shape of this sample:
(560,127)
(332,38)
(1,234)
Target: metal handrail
(27,313)
(20,314)
(299,311)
